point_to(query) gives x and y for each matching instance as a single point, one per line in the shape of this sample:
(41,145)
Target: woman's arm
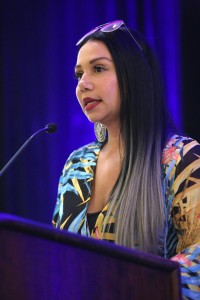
(186,219)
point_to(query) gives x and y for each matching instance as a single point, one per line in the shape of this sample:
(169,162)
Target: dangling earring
(100,132)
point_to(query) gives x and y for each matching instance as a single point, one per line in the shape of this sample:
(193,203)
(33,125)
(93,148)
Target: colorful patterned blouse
(181,187)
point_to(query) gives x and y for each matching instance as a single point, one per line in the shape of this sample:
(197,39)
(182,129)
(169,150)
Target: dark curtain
(190,46)
(37,87)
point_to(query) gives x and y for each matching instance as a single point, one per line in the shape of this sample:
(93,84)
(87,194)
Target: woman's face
(97,89)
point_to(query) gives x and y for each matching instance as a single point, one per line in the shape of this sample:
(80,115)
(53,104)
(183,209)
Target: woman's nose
(85,83)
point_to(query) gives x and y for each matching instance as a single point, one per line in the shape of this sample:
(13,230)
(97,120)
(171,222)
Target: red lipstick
(90,103)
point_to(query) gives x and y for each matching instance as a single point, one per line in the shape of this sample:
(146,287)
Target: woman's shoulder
(178,147)
(86,152)
(180,140)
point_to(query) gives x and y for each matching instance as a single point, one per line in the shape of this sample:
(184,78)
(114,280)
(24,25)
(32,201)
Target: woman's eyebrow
(99,58)
(94,60)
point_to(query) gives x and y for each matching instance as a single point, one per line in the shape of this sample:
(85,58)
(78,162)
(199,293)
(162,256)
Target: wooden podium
(40,262)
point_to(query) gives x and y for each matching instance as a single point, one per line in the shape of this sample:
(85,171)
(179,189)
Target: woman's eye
(78,75)
(99,69)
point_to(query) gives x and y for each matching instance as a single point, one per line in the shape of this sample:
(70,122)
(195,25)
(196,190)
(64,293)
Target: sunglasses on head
(109,27)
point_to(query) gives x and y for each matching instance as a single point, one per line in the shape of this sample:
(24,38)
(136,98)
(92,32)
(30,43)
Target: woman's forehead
(91,50)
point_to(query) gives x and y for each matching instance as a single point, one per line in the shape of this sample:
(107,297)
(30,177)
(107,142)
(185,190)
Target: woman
(138,185)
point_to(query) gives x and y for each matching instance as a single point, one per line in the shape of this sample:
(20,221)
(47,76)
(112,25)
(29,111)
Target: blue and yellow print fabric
(181,189)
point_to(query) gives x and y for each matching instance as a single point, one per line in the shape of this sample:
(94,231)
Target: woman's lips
(90,103)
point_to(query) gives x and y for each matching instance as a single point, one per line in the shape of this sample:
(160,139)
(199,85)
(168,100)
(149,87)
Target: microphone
(50,128)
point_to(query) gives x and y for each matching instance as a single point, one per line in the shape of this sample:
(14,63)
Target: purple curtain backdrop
(38,55)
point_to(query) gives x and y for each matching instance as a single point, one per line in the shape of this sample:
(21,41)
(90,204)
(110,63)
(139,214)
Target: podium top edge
(19,224)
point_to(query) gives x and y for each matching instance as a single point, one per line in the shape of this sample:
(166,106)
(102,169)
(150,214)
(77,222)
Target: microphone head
(51,128)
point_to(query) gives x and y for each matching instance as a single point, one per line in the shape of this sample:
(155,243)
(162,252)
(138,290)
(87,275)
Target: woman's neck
(114,144)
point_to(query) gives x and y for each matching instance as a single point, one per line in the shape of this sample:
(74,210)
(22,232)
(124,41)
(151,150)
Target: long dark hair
(137,198)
